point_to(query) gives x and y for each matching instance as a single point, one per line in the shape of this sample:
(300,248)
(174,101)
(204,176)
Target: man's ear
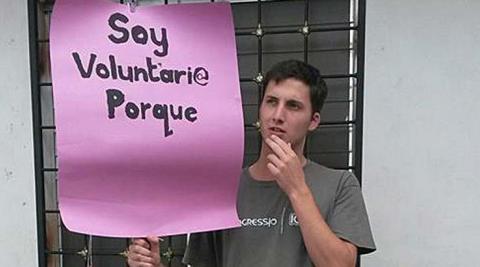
(314,122)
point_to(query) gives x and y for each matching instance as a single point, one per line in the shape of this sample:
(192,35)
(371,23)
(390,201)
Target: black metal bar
(313,153)
(305,48)
(52,211)
(326,102)
(333,29)
(244,32)
(329,123)
(295,51)
(260,86)
(346,168)
(127,244)
(169,245)
(73,253)
(272,1)
(306,10)
(312,30)
(259,12)
(333,101)
(249,105)
(295,30)
(331,152)
(360,87)
(305,40)
(63,252)
(358,145)
(305,57)
(337,101)
(328,76)
(339,76)
(244,80)
(259,47)
(85,257)
(37,133)
(317,25)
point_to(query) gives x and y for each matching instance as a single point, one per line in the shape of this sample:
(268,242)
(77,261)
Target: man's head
(293,96)
(303,72)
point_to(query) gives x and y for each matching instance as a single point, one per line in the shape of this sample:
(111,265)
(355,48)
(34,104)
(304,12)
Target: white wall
(18,235)
(422,130)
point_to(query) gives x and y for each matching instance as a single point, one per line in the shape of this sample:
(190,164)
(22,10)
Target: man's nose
(279,114)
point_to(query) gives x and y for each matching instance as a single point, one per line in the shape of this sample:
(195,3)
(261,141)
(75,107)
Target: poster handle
(132,4)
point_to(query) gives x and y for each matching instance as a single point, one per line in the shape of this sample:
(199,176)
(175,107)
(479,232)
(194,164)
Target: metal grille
(326,33)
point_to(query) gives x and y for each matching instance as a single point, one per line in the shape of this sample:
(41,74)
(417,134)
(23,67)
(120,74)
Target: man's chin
(283,136)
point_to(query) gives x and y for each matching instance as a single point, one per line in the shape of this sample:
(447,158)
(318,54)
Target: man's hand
(144,252)
(286,167)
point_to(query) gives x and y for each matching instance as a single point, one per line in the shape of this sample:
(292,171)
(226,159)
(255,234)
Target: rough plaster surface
(18,235)
(421,146)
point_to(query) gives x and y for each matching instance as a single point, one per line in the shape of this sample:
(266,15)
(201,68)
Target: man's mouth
(276,130)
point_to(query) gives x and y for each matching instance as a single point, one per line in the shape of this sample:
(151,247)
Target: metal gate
(326,33)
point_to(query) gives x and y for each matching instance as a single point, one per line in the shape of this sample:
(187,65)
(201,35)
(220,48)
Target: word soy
(139,34)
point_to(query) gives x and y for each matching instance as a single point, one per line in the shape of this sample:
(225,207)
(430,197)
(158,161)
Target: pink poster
(148,117)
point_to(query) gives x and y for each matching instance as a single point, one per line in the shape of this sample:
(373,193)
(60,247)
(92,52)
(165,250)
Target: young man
(293,212)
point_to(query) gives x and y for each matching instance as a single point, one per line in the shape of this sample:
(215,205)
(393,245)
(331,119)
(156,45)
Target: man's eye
(294,106)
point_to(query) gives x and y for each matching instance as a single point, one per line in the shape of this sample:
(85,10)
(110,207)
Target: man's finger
(275,148)
(154,244)
(276,161)
(286,147)
(275,172)
(136,249)
(138,258)
(141,242)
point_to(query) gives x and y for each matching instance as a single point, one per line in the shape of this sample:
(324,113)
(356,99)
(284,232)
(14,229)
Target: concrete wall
(18,235)
(421,143)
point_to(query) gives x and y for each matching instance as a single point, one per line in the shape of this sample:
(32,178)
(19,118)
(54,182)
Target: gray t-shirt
(270,234)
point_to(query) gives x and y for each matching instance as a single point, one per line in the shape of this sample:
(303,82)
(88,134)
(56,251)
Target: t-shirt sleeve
(349,219)
(202,250)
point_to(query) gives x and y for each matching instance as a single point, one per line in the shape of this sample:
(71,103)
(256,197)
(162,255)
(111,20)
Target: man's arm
(323,246)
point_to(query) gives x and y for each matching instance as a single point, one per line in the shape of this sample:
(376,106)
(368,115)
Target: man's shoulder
(318,169)
(317,174)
